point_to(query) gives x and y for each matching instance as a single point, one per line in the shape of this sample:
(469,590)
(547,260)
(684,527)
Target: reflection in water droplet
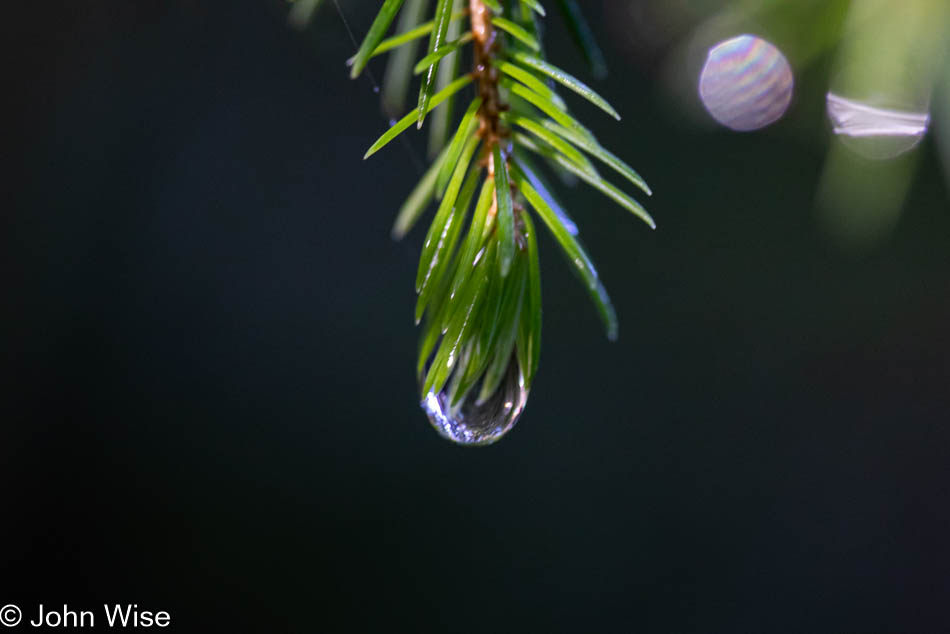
(877,133)
(746,83)
(474,424)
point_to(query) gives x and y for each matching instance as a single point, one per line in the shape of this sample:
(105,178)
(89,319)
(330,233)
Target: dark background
(211,406)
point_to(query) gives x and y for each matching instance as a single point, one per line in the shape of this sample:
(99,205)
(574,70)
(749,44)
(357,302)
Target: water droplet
(746,83)
(875,133)
(471,423)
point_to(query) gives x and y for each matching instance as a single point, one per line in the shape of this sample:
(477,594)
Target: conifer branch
(479,290)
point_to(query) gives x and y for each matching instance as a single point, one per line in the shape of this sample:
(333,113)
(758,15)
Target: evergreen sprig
(479,290)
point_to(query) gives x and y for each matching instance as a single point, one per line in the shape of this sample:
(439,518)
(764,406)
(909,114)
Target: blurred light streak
(859,199)
(942,123)
(878,102)
(301,13)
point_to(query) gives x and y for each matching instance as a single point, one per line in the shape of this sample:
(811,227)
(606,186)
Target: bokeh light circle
(746,83)
(875,132)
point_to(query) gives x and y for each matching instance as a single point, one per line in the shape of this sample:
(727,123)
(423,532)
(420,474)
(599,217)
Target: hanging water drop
(471,423)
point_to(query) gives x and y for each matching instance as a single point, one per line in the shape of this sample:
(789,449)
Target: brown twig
(486,76)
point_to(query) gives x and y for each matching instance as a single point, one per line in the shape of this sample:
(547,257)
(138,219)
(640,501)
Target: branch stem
(486,75)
